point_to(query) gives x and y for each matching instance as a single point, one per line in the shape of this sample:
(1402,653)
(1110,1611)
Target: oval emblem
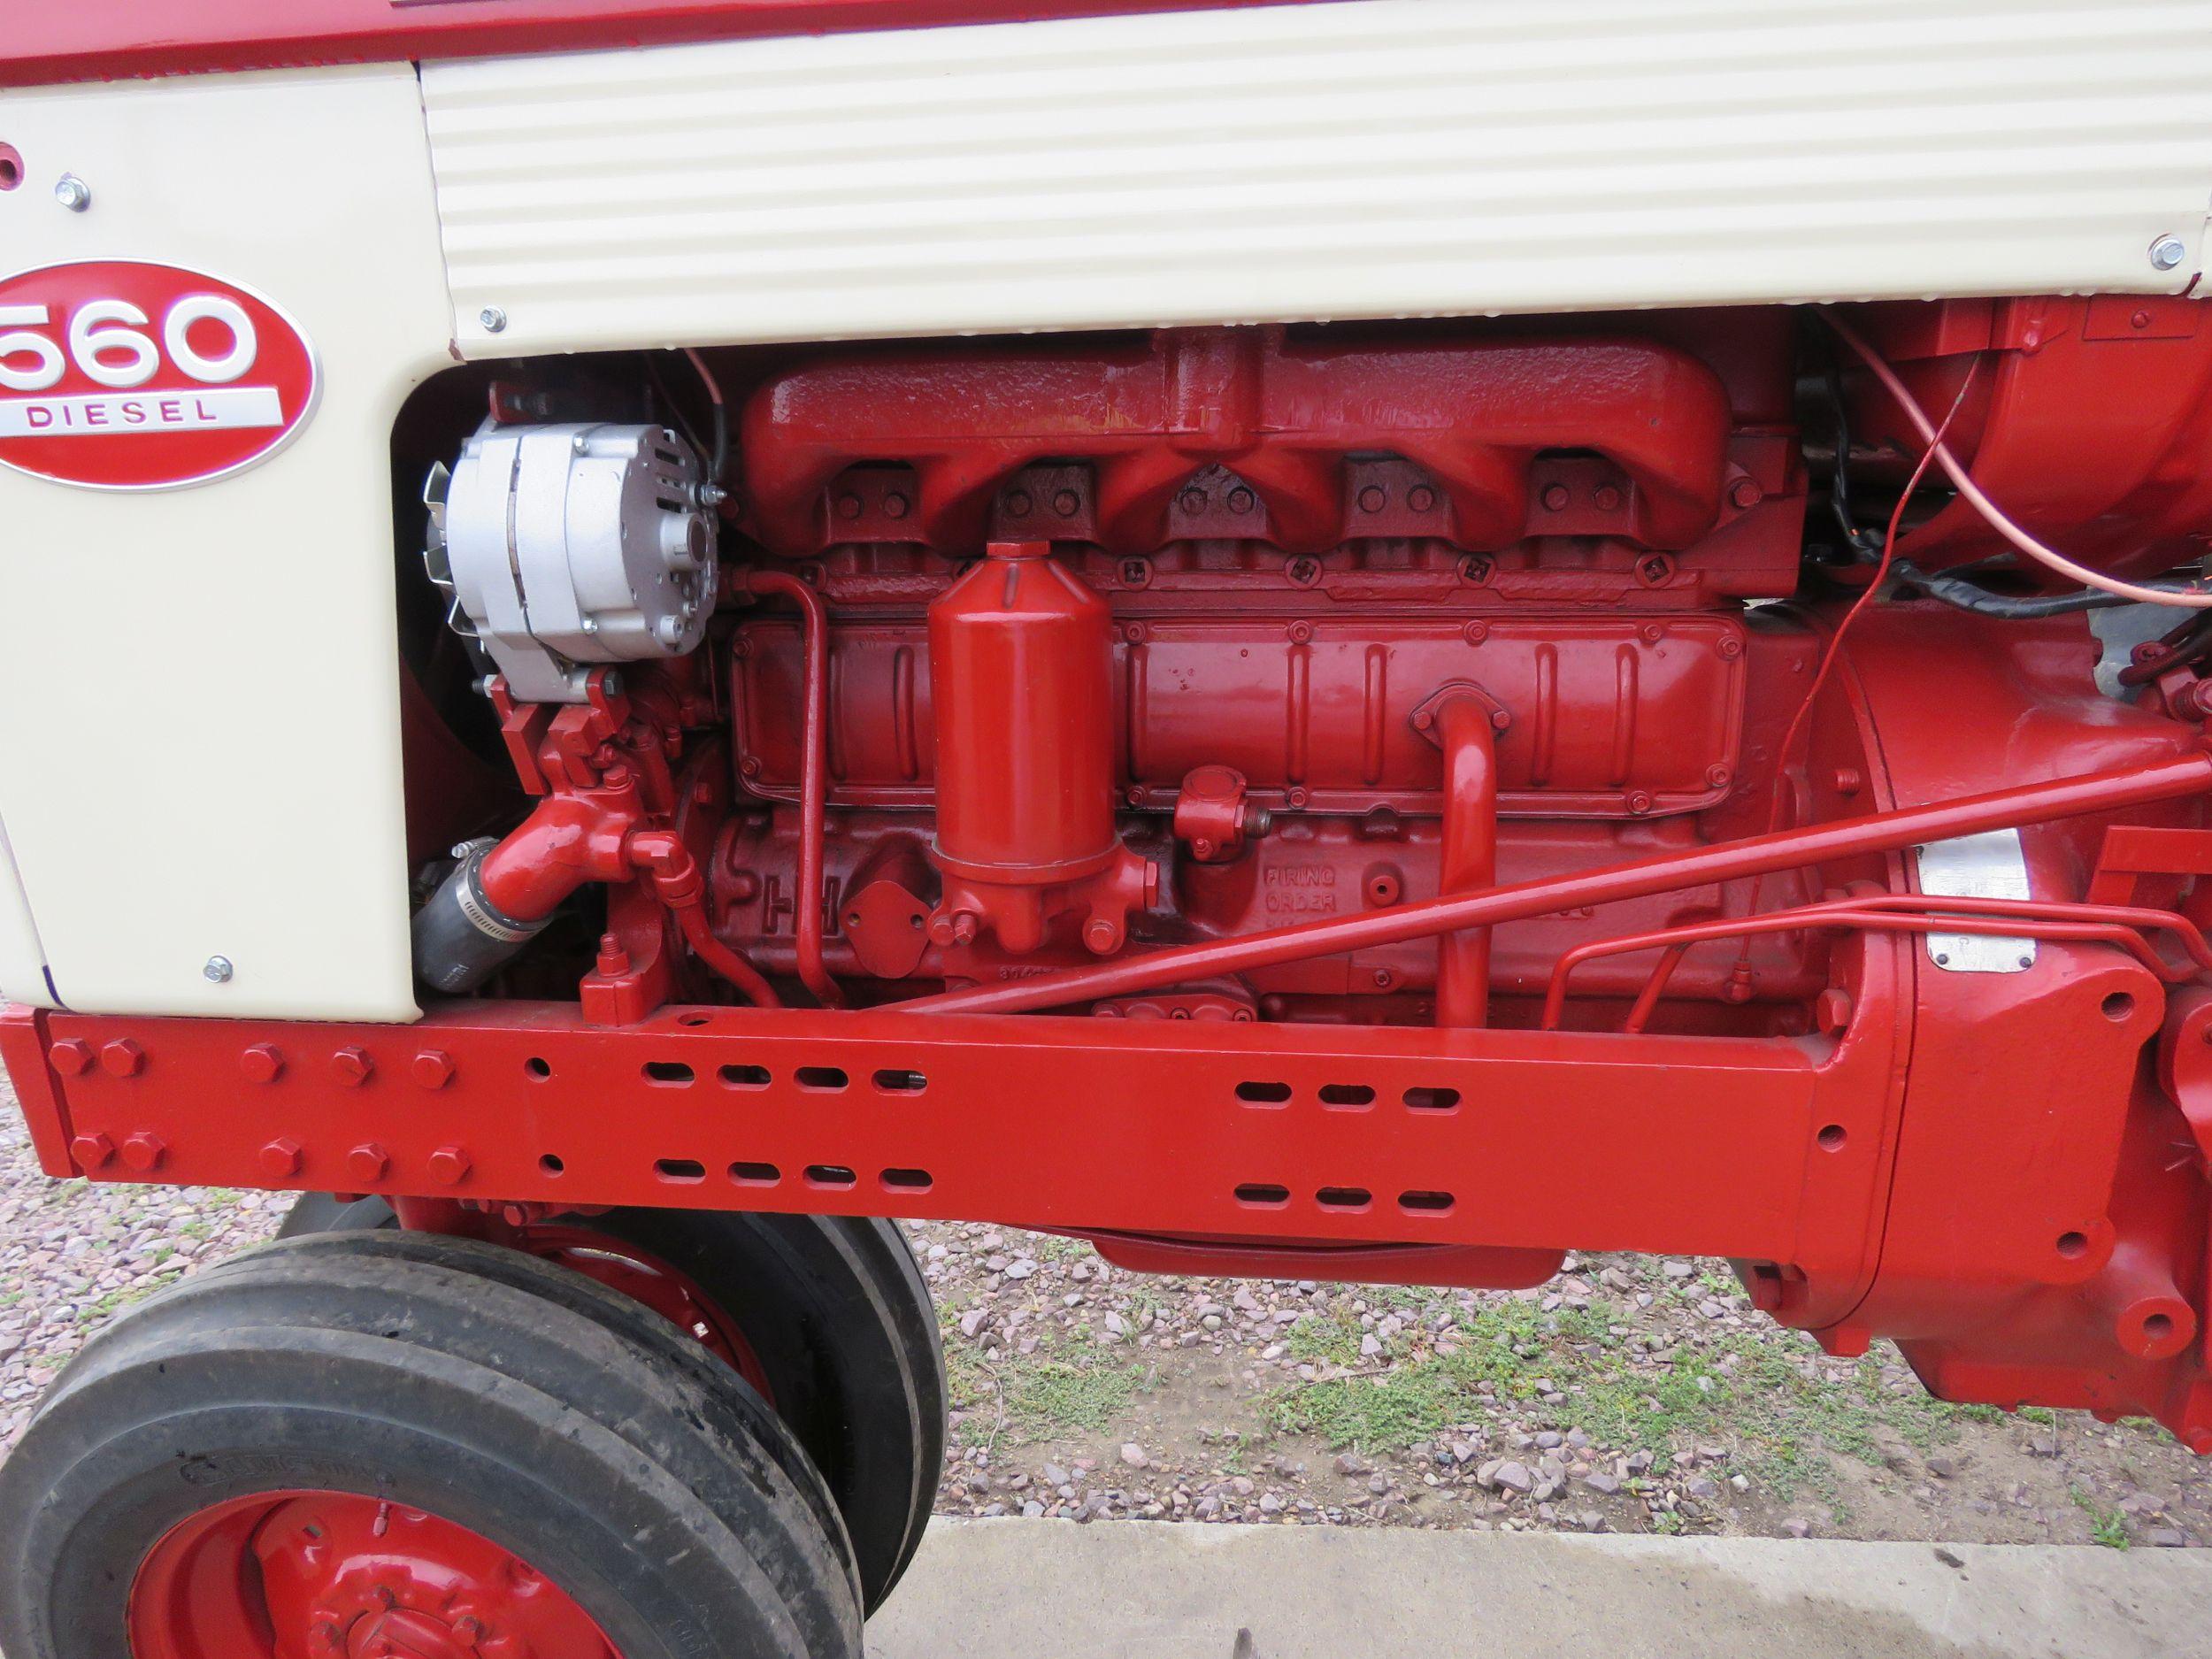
(121,374)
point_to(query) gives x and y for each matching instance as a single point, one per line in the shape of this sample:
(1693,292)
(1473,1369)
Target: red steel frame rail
(1289,1132)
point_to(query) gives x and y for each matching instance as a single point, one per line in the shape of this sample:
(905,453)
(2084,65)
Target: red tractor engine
(1385,756)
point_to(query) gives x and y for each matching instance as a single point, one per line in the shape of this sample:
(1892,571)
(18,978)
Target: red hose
(813,777)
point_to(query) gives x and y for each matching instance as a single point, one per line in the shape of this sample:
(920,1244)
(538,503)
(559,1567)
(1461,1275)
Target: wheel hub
(327,1575)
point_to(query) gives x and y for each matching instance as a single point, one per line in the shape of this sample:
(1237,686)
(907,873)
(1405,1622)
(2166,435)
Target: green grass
(2108,1527)
(1024,1398)
(1749,1389)
(1332,1338)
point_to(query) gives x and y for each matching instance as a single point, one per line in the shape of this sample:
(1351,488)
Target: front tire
(463,1415)
(829,1315)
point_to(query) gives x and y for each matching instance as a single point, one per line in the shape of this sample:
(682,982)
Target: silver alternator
(564,545)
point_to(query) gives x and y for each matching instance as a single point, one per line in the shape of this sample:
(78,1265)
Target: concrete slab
(1014,1589)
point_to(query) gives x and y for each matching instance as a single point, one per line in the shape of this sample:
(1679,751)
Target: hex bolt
(433,1068)
(1831,1011)
(91,1152)
(217,971)
(449,1166)
(75,195)
(281,1158)
(368,1162)
(122,1058)
(2166,253)
(494,319)
(351,1065)
(145,1151)
(72,1057)
(262,1062)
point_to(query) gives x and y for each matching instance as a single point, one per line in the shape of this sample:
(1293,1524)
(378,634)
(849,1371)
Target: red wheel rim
(645,1279)
(334,1575)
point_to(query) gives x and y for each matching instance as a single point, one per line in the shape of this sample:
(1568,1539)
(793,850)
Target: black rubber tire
(837,1313)
(513,1397)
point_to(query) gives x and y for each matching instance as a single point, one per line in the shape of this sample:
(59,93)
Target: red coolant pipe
(1469,857)
(813,777)
(682,889)
(1788,849)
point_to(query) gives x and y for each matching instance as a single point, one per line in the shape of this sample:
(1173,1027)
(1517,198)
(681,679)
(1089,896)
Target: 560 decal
(119,374)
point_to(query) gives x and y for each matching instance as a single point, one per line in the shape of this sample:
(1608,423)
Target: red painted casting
(315,1573)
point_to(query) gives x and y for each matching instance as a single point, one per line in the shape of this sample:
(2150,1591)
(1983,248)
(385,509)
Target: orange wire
(1835,641)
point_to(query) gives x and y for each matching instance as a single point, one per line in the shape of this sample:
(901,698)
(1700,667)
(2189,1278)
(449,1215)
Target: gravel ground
(1627,1395)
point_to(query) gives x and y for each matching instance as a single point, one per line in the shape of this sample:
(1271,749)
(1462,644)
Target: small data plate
(1985,866)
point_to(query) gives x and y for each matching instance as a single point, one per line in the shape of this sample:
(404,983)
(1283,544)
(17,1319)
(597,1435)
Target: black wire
(1950,588)
(676,413)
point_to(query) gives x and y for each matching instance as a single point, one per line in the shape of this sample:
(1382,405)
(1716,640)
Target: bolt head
(145,1151)
(72,1057)
(2168,252)
(91,1152)
(493,319)
(367,1163)
(1101,934)
(217,970)
(449,1166)
(281,1158)
(262,1063)
(122,1058)
(73,193)
(433,1068)
(351,1065)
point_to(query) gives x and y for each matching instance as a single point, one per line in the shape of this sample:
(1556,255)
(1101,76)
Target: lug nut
(281,1158)
(145,1151)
